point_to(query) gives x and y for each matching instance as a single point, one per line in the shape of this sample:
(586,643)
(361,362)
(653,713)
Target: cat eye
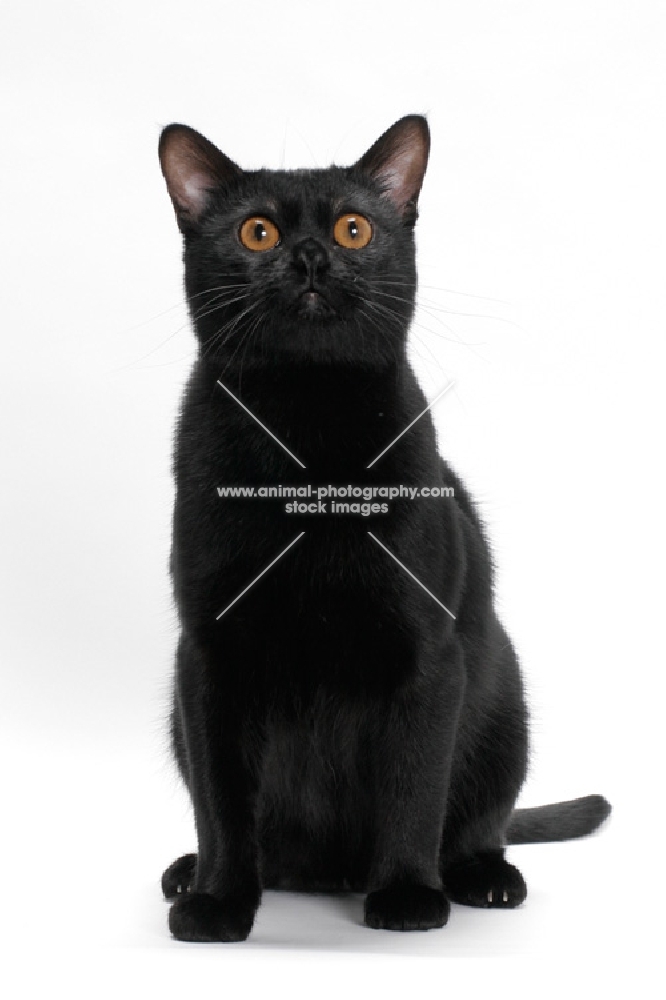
(352,231)
(259,233)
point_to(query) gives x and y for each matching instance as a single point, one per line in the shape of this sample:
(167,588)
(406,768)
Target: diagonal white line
(217,617)
(432,403)
(409,573)
(263,426)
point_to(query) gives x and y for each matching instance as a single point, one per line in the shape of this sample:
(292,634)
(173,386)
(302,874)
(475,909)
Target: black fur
(559,821)
(336,728)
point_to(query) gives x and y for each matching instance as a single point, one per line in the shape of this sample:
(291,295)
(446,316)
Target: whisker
(426,304)
(177,305)
(252,329)
(164,364)
(216,304)
(421,307)
(465,295)
(224,334)
(375,326)
(439,288)
(395,316)
(454,312)
(195,316)
(243,339)
(418,325)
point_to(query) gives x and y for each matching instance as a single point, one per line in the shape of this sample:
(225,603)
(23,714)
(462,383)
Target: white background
(543,217)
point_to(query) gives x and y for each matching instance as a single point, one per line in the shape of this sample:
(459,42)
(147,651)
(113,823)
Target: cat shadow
(291,921)
(333,922)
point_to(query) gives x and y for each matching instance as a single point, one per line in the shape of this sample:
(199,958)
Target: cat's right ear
(192,167)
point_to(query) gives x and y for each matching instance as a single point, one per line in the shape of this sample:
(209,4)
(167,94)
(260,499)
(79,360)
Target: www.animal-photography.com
(332,541)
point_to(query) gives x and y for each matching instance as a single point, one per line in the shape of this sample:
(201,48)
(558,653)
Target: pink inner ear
(192,191)
(192,166)
(403,176)
(398,161)
(187,177)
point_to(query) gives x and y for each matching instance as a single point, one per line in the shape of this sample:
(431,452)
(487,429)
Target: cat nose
(310,257)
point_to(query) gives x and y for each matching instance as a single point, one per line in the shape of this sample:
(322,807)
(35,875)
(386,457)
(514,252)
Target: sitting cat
(348,710)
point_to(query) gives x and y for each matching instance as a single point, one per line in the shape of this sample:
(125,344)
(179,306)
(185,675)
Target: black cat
(355,720)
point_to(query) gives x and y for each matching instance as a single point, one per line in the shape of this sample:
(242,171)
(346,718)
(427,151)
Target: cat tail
(558,821)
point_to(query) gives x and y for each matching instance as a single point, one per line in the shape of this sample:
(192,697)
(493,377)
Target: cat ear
(398,161)
(192,167)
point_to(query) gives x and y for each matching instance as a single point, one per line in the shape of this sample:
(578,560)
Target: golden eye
(352,231)
(259,233)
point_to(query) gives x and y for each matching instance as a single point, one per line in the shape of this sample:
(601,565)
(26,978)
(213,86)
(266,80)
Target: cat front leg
(413,747)
(223,763)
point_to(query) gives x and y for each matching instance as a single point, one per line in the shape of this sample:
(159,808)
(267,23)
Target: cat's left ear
(192,167)
(398,160)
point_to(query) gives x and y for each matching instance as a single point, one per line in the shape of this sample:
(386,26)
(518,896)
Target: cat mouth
(312,301)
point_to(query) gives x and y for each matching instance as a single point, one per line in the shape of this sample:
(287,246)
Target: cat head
(299,265)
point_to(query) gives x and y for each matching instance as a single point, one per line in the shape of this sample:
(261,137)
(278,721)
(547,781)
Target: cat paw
(179,876)
(406,908)
(486,880)
(198,916)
